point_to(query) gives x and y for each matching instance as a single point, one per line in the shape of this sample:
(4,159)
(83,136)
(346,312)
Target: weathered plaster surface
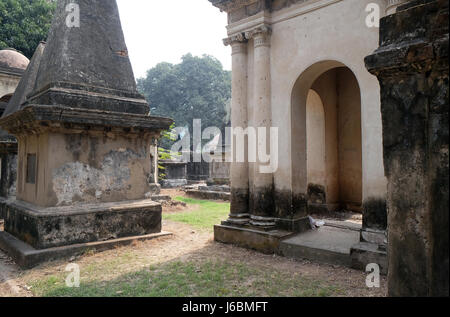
(289,45)
(75,180)
(90,167)
(412,66)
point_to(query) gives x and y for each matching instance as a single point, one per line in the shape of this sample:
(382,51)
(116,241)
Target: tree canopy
(197,88)
(24,23)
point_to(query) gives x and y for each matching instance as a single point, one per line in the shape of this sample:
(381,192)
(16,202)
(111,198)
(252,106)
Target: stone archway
(326,137)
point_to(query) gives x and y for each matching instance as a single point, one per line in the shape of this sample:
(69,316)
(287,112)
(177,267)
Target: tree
(197,88)
(24,23)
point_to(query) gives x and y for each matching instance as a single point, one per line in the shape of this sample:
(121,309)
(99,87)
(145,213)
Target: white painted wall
(315,127)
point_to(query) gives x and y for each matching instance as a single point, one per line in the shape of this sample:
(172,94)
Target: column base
(265,222)
(237,219)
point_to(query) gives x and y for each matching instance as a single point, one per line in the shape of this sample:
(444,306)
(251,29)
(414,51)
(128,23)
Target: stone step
(327,245)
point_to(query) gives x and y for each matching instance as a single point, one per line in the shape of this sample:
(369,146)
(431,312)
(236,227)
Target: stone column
(239,175)
(261,194)
(412,67)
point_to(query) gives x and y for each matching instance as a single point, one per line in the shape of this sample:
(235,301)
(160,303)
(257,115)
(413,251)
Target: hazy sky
(163,31)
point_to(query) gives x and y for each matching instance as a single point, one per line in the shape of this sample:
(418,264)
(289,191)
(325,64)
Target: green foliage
(24,23)
(197,88)
(163,154)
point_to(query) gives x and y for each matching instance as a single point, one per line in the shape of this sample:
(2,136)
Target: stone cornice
(403,52)
(39,118)
(231,5)
(11,71)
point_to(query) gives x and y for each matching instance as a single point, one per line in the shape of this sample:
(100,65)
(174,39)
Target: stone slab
(174,183)
(328,245)
(28,257)
(45,228)
(344,224)
(158,198)
(208,195)
(262,241)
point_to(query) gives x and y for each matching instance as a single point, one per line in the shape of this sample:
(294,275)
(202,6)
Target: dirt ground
(188,244)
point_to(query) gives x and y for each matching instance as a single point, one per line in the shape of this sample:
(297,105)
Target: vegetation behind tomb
(24,23)
(197,88)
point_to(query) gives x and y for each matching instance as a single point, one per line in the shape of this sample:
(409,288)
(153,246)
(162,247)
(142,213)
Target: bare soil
(187,244)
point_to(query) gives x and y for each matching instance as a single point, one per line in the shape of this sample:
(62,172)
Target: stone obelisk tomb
(85,136)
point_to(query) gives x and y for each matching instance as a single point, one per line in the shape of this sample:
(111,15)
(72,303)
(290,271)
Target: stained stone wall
(280,49)
(412,66)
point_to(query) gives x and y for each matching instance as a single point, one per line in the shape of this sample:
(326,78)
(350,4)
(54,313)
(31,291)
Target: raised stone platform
(44,228)
(28,257)
(259,240)
(174,183)
(208,195)
(337,243)
(330,245)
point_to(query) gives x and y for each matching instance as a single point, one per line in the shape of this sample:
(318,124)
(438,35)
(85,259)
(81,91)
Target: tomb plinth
(86,139)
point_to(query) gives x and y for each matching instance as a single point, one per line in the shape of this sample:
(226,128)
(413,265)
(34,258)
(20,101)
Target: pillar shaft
(261,196)
(239,212)
(412,67)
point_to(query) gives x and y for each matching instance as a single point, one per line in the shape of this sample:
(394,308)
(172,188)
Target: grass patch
(185,279)
(205,216)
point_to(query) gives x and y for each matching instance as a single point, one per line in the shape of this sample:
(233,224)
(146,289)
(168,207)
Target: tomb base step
(208,195)
(44,228)
(329,245)
(28,257)
(259,240)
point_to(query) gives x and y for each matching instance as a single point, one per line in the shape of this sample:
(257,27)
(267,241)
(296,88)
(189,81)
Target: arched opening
(326,138)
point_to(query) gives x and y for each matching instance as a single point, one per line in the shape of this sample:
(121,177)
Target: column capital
(235,39)
(260,34)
